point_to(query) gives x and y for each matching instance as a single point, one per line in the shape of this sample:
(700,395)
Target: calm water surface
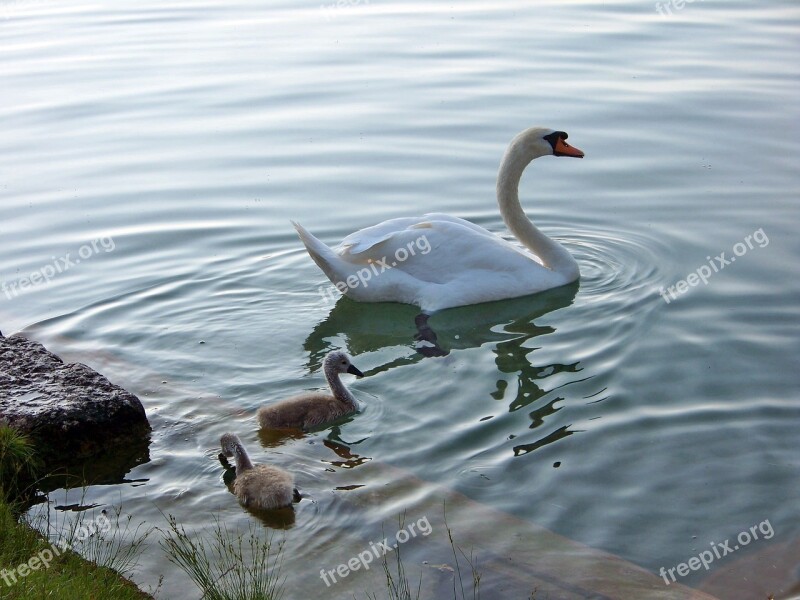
(185,136)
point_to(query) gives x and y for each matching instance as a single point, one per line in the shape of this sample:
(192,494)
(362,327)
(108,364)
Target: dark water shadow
(108,468)
(369,327)
(506,328)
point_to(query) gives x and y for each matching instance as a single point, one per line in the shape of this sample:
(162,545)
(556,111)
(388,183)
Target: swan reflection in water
(507,326)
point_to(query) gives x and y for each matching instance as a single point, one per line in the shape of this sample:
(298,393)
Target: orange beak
(564,149)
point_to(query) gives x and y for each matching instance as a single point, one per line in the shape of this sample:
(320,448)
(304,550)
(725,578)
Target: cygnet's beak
(353,371)
(562,148)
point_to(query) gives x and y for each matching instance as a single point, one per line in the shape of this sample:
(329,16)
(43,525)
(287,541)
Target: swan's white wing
(435,262)
(364,239)
(439,251)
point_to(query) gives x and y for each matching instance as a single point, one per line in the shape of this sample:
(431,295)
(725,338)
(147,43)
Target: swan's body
(257,486)
(312,409)
(438,261)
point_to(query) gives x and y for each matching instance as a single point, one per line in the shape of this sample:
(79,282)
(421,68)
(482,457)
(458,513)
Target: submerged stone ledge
(70,411)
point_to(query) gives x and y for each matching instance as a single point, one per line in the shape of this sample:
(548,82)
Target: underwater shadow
(506,327)
(110,468)
(362,327)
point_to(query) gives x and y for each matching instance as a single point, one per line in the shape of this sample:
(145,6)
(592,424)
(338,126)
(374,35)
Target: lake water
(182,137)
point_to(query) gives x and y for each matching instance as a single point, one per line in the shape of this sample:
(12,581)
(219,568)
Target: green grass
(399,587)
(106,539)
(68,576)
(470,560)
(36,566)
(233,565)
(227,565)
(18,464)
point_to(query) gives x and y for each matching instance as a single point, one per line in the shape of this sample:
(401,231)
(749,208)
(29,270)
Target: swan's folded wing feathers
(367,239)
(442,217)
(435,262)
(457,250)
(364,239)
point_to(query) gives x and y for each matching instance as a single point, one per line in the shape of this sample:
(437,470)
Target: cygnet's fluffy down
(312,409)
(257,486)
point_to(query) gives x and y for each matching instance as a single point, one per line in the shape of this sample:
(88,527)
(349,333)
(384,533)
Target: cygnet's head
(339,362)
(541,141)
(229,443)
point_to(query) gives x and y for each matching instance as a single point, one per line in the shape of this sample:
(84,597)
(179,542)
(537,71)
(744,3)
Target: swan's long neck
(554,256)
(243,462)
(340,391)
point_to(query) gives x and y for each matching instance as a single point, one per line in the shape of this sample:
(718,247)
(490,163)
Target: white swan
(438,261)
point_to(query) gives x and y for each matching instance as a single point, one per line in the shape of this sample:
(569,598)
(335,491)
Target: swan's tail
(326,259)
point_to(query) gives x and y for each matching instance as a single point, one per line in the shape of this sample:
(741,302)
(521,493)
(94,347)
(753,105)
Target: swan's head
(229,443)
(541,141)
(339,362)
